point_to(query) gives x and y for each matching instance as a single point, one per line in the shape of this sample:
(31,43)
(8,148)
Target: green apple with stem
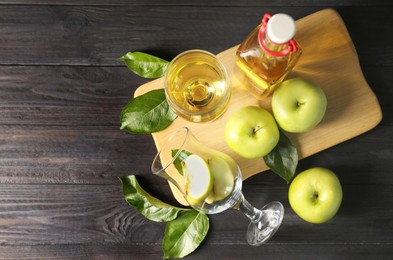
(298,105)
(315,195)
(251,132)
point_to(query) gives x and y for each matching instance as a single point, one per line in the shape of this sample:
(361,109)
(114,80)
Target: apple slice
(223,179)
(199,179)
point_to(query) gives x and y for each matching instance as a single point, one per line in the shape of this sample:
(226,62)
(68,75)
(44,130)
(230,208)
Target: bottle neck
(272,46)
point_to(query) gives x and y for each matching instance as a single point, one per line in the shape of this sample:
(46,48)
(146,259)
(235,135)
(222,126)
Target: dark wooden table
(61,150)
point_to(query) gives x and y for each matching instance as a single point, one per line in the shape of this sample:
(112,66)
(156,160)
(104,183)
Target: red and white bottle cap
(281,28)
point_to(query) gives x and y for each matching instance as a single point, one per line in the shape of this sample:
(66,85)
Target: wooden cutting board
(329,59)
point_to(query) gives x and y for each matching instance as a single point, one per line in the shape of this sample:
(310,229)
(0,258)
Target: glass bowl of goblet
(211,182)
(197,86)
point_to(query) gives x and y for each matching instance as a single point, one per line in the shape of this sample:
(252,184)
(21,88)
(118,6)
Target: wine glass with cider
(197,86)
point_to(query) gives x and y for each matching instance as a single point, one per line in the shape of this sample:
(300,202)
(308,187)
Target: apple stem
(314,197)
(300,103)
(256,129)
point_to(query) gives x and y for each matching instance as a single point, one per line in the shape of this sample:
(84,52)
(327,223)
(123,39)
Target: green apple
(251,132)
(315,195)
(223,179)
(199,179)
(298,105)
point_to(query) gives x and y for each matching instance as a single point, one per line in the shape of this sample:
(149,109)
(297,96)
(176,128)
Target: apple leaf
(149,206)
(283,159)
(145,65)
(185,228)
(147,113)
(178,161)
(184,234)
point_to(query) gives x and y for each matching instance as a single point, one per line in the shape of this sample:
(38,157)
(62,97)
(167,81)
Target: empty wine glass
(211,182)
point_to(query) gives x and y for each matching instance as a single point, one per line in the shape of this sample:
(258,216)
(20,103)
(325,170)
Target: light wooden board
(330,60)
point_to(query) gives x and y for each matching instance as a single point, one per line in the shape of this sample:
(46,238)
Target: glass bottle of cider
(268,53)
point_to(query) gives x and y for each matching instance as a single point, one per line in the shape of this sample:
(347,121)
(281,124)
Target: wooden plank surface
(74,35)
(85,214)
(199,3)
(61,150)
(222,251)
(327,47)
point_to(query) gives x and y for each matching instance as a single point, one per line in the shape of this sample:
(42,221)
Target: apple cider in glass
(197,86)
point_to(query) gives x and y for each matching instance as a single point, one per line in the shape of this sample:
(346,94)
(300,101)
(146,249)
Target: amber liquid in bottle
(264,71)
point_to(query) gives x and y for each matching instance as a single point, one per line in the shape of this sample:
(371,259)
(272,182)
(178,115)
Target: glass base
(263,229)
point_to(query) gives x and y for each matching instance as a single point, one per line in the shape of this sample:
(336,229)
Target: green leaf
(283,159)
(145,65)
(178,161)
(184,234)
(149,206)
(147,113)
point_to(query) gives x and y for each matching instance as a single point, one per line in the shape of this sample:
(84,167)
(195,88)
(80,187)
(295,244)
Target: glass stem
(252,213)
